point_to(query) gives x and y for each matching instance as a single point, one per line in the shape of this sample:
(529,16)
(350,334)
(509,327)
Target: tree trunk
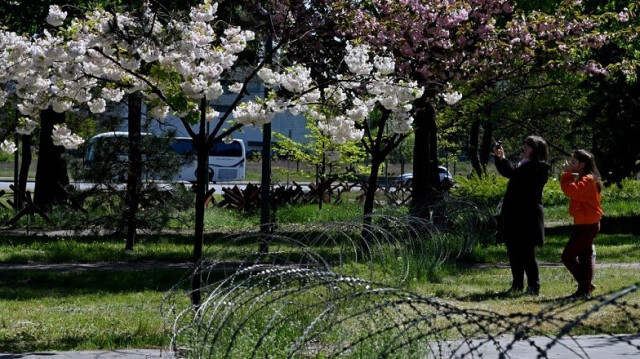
(25,162)
(486,145)
(473,148)
(52,167)
(135,168)
(372,187)
(202,179)
(266,227)
(426,181)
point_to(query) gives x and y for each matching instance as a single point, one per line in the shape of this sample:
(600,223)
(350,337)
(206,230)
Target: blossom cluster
(8,147)
(90,63)
(374,74)
(436,42)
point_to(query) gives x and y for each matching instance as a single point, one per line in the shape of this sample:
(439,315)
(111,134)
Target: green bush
(485,192)
(628,189)
(488,191)
(552,195)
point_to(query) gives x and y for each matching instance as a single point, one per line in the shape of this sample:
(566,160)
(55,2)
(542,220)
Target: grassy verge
(67,310)
(23,249)
(115,309)
(43,310)
(610,247)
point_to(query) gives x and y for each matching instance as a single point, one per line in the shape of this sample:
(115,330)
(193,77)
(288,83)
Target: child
(584,194)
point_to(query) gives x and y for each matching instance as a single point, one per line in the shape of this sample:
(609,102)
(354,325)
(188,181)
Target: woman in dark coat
(522,211)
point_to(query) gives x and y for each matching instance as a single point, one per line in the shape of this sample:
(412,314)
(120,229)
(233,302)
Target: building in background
(287,124)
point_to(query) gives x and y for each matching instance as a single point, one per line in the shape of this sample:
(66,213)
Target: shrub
(484,192)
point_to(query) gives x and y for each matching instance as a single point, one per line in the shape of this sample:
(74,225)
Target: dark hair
(540,149)
(584,156)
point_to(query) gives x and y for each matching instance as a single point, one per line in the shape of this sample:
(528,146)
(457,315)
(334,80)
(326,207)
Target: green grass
(23,249)
(115,309)
(610,247)
(45,310)
(122,309)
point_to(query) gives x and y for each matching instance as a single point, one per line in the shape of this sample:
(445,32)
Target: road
(85,185)
(587,346)
(4,184)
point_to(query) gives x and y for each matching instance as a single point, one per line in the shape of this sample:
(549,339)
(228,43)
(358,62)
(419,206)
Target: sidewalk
(97,354)
(588,346)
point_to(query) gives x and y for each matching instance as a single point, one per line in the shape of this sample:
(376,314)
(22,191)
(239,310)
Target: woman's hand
(498,152)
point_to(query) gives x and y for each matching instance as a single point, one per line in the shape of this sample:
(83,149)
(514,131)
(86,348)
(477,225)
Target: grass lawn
(115,309)
(49,310)
(118,309)
(610,247)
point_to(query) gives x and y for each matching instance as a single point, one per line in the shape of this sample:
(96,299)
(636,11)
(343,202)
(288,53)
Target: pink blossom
(623,16)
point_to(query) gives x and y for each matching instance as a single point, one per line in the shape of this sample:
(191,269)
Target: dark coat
(522,210)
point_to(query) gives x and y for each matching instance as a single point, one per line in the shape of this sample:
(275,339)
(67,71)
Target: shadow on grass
(621,224)
(608,225)
(106,339)
(31,284)
(492,295)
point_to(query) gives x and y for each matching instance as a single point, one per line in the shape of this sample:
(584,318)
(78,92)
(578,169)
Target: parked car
(446,179)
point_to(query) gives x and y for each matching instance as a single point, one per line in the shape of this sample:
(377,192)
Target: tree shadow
(36,284)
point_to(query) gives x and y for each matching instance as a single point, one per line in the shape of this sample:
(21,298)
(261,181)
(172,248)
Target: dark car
(446,179)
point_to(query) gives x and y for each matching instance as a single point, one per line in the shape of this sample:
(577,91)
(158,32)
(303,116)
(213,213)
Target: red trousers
(579,254)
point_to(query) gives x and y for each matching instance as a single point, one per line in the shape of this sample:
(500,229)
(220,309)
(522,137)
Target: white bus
(227,160)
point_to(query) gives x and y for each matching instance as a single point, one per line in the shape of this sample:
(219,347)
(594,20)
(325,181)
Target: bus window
(182,146)
(232,149)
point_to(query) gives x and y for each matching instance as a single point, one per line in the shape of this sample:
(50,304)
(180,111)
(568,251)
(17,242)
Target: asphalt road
(86,185)
(587,346)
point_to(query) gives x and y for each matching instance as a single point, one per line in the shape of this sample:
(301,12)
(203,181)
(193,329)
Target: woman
(522,211)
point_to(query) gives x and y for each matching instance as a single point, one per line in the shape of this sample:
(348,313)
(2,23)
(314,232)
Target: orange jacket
(584,197)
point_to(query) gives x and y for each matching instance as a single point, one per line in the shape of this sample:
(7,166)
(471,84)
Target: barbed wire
(314,294)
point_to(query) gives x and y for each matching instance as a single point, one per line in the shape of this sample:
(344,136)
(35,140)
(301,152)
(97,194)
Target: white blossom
(384,64)
(160,112)
(3,97)
(340,129)
(252,113)
(296,79)
(211,115)
(359,110)
(28,109)
(335,94)
(8,147)
(357,59)
(236,87)
(62,136)
(214,90)
(205,12)
(451,98)
(60,105)
(56,16)
(114,95)
(97,105)
(26,126)
(269,77)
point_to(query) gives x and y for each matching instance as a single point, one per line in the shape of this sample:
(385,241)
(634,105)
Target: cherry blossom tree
(178,66)
(437,43)
(28,79)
